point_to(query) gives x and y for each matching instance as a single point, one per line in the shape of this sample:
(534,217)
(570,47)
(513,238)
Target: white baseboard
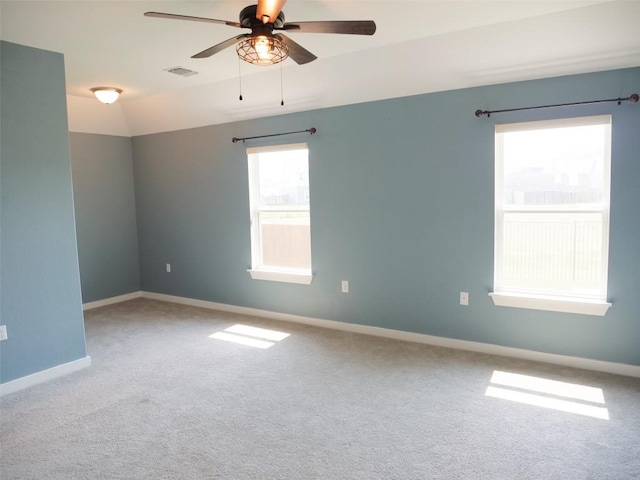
(568,361)
(111,300)
(44,376)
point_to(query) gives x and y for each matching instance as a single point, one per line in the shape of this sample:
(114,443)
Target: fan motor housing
(248,18)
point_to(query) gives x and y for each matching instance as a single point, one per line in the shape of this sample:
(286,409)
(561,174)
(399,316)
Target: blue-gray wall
(40,300)
(402,204)
(105,215)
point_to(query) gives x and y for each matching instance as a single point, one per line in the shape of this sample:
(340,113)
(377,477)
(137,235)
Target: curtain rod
(633,98)
(311,131)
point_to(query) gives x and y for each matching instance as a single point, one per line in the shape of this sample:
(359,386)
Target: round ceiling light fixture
(106,94)
(262,49)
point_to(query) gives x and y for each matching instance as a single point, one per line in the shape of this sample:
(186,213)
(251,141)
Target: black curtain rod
(311,131)
(633,98)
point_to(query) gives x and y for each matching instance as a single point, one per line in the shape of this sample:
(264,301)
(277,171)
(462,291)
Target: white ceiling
(419,47)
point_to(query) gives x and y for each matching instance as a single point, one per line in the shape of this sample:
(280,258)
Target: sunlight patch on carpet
(542,392)
(267,334)
(250,336)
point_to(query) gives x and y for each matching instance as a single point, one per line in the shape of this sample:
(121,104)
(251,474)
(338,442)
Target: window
(552,214)
(280,214)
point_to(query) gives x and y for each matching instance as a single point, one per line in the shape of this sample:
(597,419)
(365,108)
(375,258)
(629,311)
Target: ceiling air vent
(183,72)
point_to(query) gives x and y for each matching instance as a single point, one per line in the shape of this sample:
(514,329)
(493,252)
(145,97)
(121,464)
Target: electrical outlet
(345,286)
(168,267)
(464,298)
(3,332)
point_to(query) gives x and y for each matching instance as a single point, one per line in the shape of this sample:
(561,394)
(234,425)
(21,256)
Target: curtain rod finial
(479,113)
(634,97)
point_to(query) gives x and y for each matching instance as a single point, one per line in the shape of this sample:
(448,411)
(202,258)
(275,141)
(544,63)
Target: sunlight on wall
(544,393)
(250,336)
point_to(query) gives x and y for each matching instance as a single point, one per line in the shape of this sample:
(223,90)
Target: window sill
(552,304)
(276,276)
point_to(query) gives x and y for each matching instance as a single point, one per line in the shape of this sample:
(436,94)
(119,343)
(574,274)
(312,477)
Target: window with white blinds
(280,213)
(552,211)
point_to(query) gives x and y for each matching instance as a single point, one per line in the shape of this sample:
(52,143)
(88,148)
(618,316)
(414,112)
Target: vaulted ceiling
(419,47)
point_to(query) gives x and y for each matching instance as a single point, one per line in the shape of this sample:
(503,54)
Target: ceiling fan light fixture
(106,95)
(262,50)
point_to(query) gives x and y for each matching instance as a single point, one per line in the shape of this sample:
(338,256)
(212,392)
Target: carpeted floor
(164,400)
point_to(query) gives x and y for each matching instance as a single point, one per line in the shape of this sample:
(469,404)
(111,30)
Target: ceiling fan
(262,46)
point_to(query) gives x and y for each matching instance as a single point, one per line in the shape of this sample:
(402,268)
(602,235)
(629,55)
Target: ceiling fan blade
(349,27)
(221,46)
(297,52)
(173,16)
(270,9)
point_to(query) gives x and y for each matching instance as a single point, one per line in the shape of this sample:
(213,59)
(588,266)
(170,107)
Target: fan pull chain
(281,89)
(239,79)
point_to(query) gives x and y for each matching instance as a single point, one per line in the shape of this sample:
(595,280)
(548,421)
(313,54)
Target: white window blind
(280,213)
(552,208)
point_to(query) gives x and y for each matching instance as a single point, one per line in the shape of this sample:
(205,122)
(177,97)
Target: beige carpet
(165,400)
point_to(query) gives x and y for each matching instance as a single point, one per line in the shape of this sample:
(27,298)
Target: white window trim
(549,303)
(579,305)
(301,278)
(258,272)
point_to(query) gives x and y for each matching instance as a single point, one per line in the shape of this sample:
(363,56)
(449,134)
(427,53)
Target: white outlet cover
(464,298)
(3,332)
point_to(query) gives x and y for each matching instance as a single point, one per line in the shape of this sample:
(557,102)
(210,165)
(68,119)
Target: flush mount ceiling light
(264,49)
(106,94)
